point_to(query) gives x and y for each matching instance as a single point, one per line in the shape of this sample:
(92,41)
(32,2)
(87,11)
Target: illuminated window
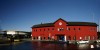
(80,38)
(88,37)
(60,29)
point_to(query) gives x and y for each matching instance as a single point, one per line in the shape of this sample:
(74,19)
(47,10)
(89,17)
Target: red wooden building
(63,30)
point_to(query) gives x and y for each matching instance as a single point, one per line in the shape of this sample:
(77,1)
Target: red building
(63,30)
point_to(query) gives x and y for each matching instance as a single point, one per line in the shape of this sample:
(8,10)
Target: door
(60,37)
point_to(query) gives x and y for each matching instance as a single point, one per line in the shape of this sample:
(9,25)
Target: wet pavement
(49,46)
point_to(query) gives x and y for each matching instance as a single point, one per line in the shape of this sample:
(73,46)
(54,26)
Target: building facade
(62,30)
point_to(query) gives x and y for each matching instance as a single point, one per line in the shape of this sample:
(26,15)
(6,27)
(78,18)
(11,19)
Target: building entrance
(60,37)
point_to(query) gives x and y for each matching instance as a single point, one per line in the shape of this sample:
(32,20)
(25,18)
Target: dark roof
(81,24)
(68,23)
(43,25)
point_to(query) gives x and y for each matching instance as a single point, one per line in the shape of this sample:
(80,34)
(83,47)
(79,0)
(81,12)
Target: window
(80,38)
(37,37)
(40,29)
(52,37)
(94,28)
(34,38)
(69,37)
(93,37)
(90,29)
(60,29)
(74,38)
(36,29)
(44,37)
(68,28)
(88,37)
(85,38)
(52,28)
(44,29)
(48,38)
(74,28)
(48,29)
(41,38)
(78,28)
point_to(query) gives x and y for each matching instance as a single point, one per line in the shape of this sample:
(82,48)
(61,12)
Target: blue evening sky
(23,14)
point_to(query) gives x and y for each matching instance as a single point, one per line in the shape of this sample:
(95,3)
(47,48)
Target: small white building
(17,33)
(12,32)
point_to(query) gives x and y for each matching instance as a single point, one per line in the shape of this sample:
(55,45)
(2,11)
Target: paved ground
(31,45)
(64,46)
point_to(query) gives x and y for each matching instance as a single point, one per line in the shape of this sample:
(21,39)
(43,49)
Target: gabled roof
(68,23)
(60,19)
